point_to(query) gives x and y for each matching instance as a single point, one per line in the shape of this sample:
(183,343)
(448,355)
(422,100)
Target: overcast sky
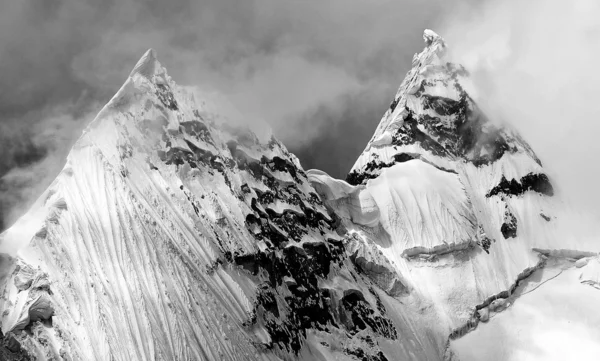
(321,72)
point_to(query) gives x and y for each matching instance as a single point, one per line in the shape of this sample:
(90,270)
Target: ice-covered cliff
(175,234)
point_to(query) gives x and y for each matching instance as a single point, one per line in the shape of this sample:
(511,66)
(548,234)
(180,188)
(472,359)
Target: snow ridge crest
(146,65)
(430,37)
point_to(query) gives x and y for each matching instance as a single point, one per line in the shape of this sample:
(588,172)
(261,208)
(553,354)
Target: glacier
(175,233)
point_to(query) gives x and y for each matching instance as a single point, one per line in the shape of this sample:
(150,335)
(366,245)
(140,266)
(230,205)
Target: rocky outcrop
(373,263)
(494,303)
(509,224)
(29,331)
(531,182)
(11,349)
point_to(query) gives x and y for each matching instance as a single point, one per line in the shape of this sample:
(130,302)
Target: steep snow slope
(172,234)
(175,234)
(458,204)
(128,268)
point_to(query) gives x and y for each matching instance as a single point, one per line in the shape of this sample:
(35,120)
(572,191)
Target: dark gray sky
(321,72)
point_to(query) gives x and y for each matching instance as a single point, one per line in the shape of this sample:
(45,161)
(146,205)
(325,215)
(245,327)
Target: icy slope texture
(457,206)
(173,235)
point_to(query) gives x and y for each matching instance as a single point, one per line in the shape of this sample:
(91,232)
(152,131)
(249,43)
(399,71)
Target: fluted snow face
(131,251)
(131,265)
(174,234)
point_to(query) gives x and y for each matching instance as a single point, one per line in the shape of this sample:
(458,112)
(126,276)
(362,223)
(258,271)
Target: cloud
(40,150)
(320,72)
(534,64)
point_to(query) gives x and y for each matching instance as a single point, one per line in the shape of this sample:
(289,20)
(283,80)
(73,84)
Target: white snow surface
(435,212)
(127,258)
(125,250)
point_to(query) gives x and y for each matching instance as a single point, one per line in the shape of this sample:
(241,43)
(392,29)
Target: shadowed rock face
(509,227)
(468,136)
(509,224)
(434,116)
(298,267)
(531,182)
(11,350)
(484,241)
(289,298)
(37,311)
(369,260)
(288,315)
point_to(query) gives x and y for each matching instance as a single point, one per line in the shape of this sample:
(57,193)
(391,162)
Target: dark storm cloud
(320,72)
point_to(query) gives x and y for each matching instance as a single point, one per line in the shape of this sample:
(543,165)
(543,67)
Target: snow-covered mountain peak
(174,234)
(431,38)
(442,192)
(146,65)
(433,115)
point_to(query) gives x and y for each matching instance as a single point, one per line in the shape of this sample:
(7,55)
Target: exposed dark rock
(509,227)
(464,132)
(495,144)
(394,104)
(536,182)
(404,157)
(165,95)
(485,244)
(473,321)
(308,305)
(356,177)
(409,133)
(361,355)
(11,349)
(441,105)
(483,240)
(370,172)
(363,316)
(380,305)
(369,261)
(281,165)
(374,167)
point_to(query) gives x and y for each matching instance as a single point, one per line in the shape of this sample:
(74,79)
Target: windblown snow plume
(175,234)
